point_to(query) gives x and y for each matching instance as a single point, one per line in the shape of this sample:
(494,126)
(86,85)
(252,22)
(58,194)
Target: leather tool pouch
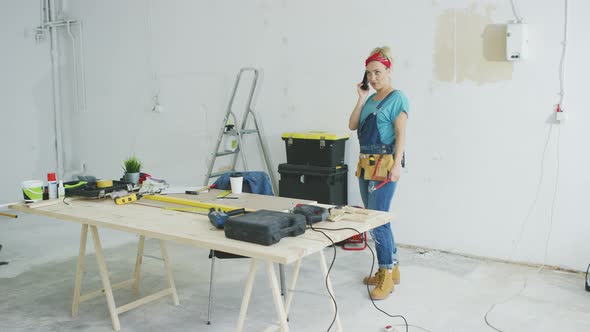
(377,166)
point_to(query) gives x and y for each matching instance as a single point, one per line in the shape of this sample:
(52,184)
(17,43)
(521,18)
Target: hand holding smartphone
(365,84)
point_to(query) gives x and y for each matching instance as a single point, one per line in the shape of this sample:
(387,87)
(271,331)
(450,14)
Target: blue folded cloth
(258,181)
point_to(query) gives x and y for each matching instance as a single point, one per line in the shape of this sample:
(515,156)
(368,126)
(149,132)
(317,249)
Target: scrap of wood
(10,215)
(351,213)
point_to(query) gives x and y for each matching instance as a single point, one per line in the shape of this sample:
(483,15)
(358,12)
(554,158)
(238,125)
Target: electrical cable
(327,275)
(562,67)
(562,62)
(549,231)
(318,229)
(515,11)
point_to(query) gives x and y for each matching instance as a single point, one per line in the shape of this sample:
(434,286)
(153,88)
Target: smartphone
(365,84)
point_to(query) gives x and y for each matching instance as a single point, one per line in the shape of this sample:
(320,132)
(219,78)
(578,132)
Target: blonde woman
(380,120)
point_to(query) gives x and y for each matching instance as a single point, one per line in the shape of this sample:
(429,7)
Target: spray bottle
(52,185)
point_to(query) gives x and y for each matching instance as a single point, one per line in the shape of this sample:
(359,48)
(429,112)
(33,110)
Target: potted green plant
(131,167)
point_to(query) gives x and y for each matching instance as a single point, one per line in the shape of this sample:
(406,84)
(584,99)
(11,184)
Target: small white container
(236,180)
(61,190)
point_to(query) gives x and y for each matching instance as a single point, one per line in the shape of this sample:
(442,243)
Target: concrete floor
(439,292)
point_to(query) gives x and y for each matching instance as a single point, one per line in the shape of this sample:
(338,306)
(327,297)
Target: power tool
(312,213)
(218,218)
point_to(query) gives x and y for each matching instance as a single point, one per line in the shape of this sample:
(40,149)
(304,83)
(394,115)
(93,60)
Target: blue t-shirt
(397,103)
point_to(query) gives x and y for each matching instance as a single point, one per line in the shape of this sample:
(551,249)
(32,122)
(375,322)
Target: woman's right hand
(362,93)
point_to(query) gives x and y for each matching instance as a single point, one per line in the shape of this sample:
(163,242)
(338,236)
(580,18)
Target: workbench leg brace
(282,311)
(106,284)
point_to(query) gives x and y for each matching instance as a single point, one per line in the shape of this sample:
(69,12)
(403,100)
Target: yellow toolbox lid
(316,135)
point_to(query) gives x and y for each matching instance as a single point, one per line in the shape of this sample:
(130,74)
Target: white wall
(478,125)
(27,135)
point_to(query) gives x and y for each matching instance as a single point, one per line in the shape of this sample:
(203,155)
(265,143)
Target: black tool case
(328,185)
(264,227)
(315,148)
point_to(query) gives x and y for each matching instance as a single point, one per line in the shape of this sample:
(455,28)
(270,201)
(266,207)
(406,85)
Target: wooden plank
(101,291)
(252,201)
(9,215)
(195,229)
(143,300)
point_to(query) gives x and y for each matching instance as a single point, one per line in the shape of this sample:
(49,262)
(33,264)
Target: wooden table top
(195,229)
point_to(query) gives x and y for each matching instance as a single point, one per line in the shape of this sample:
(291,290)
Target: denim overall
(375,194)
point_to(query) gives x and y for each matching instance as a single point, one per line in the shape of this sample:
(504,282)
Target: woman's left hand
(396,172)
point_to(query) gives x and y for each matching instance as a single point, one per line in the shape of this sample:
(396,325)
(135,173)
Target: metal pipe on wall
(75,61)
(56,87)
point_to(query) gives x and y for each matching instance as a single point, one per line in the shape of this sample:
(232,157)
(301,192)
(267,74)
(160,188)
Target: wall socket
(560,114)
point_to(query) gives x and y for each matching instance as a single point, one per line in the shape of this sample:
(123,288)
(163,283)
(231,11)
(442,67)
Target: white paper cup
(236,180)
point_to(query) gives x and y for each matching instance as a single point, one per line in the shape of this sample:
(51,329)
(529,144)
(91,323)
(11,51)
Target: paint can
(231,138)
(32,190)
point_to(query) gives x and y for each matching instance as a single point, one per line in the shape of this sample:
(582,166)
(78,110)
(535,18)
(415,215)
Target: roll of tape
(104,183)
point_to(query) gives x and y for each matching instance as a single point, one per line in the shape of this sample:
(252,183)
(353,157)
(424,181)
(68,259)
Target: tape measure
(104,183)
(127,199)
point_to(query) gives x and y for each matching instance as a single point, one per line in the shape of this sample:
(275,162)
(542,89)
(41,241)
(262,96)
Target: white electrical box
(517,42)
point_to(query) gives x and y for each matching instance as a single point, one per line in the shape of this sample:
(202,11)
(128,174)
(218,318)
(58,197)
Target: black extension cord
(2,263)
(587,279)
(318,229)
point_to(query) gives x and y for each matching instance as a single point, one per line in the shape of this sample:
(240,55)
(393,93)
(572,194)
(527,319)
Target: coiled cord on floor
(319,229)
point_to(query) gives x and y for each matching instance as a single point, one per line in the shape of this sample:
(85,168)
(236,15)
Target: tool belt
(377,166)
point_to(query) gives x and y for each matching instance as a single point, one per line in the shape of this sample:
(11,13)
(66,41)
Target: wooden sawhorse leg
(276,295)
(79,270)
(138,262)
(104,276)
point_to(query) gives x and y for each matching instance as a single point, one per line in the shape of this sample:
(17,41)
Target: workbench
(149,219)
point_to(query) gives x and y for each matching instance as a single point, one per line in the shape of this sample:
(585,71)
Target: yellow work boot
(394,275)
(384,285)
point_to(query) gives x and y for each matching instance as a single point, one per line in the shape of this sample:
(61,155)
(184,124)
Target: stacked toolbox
(315,168)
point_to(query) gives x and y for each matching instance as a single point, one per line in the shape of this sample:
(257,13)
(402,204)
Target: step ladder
(239,132)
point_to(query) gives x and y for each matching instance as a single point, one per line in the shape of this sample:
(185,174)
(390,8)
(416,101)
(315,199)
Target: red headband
(377,57)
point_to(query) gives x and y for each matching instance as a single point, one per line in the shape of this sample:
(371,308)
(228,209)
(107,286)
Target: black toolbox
(264,227)
(328,185)
(315,148)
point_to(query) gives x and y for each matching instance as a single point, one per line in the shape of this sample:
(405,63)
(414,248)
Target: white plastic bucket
(32,190)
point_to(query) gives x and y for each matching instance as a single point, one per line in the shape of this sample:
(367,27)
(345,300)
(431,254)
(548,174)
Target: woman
(381,122)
